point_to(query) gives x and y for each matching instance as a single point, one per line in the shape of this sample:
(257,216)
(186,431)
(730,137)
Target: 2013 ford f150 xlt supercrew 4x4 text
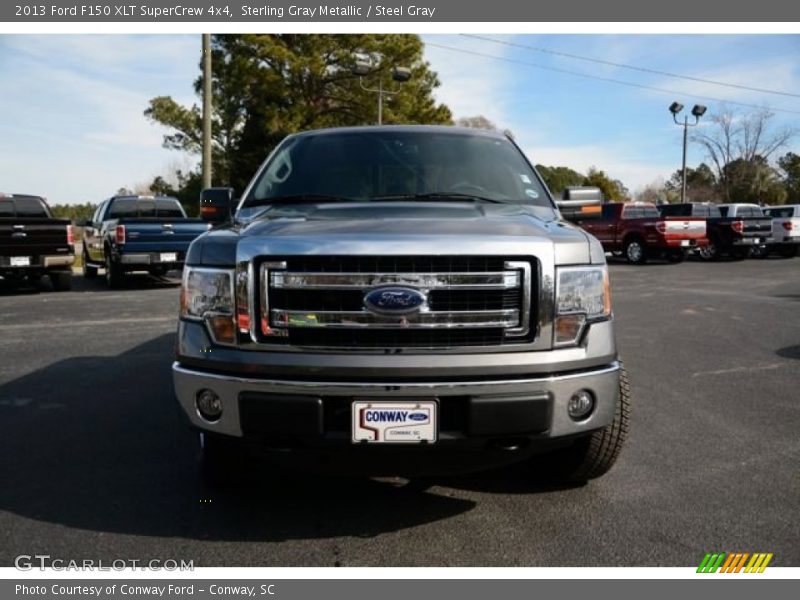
(399,299)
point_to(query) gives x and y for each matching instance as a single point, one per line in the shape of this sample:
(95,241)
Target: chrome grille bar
(502,280)
(422,320)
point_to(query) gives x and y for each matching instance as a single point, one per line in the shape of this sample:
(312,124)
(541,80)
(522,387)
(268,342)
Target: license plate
(685,243)
(169,257)
(20,261)
(383,422)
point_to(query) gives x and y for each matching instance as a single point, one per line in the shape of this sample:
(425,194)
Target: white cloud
(75,110)
(471,86)
(617,160)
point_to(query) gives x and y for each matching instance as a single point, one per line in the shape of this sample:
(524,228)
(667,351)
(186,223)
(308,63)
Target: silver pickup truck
(398,300)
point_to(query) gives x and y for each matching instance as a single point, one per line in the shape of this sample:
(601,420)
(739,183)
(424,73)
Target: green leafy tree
(789,165)
(558,178)
(613,189)
(267,86)
(74,212)
(701,184)
(754,181)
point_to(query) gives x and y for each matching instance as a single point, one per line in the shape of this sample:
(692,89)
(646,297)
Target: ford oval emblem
(394,300)
(418,417)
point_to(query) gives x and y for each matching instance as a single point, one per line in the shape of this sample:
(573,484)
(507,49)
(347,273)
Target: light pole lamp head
(401,74)
(699,110)
(675,108)
(361,68)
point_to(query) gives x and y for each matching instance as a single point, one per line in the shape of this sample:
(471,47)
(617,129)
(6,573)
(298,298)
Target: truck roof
(452,129)
(5,195)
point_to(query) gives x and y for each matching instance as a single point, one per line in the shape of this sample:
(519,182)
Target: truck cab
(394,300)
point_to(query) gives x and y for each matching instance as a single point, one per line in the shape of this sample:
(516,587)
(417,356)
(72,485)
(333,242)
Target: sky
(72,127)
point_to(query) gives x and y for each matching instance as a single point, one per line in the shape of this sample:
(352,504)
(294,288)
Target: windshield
(136,207)
(24,206)
(385,165)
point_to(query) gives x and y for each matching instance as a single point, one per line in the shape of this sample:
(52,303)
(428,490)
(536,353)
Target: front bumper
(477,411)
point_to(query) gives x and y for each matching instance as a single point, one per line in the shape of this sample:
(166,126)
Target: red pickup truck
(639,232)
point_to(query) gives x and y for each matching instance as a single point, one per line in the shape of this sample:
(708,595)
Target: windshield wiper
(437,197)
(298,198)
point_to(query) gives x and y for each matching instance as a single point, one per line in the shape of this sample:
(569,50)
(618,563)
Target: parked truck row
(640,231)
(125,234)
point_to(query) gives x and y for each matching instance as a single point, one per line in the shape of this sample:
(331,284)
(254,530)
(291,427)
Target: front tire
(710,251)
(635,251)
(592,456)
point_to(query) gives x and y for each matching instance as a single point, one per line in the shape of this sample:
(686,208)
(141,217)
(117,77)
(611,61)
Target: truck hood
(401,228)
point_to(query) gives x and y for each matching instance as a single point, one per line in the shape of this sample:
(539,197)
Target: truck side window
(6,208)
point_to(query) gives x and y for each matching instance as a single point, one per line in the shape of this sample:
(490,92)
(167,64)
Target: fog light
(209,405)
(580,405)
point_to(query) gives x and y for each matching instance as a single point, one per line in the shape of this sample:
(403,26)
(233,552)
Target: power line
(630,67)
(606,79)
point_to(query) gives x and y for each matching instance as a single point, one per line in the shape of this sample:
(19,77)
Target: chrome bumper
(603,382)
(58,261)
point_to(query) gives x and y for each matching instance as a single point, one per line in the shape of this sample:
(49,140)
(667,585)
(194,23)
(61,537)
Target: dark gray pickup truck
(33,243)
(399,299)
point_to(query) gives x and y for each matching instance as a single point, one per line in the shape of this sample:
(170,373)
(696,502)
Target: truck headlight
(582,296)
(207,296)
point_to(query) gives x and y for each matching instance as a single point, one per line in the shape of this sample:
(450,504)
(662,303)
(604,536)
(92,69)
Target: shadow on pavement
(81,284)
(97,443)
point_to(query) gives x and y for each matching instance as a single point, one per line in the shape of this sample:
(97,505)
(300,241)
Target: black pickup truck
(33,243)
(137,233)
(732,229)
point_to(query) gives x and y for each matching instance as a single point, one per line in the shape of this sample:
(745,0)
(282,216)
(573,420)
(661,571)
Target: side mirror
(580,203)
(216,204)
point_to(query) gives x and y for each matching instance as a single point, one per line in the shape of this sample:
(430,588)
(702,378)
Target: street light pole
(206,110)
(685,138)
(697,112)
(399,74)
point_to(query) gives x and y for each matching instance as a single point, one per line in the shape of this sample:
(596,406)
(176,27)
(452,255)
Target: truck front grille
(319,301)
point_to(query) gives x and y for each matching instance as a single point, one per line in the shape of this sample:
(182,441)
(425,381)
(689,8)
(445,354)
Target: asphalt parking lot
(96,464)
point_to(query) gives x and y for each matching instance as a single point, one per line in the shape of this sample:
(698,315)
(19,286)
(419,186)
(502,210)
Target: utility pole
(206,110)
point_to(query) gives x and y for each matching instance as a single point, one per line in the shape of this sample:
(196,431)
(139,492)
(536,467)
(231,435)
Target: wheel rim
(708,251)
(634,252)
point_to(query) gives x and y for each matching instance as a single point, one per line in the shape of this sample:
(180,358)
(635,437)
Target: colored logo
(394,300)
(734,562)
(418,417)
